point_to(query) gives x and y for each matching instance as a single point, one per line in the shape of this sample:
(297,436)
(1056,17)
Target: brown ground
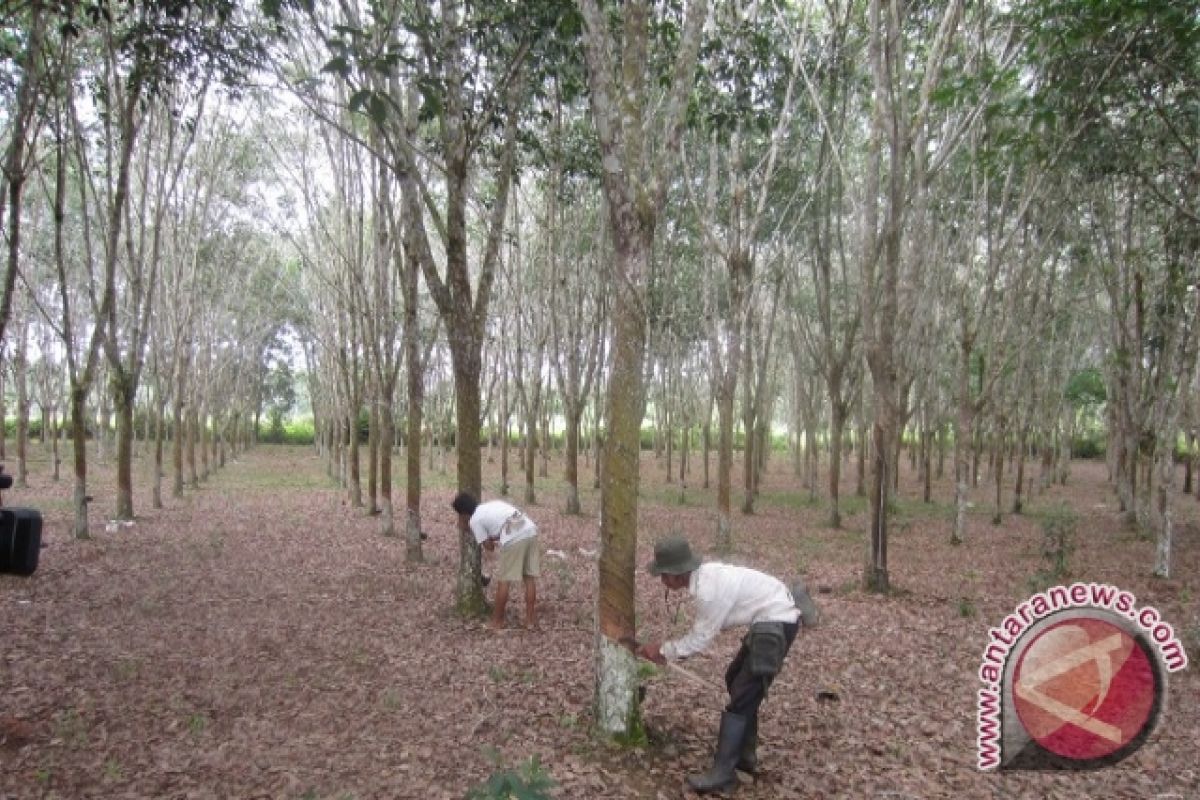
(259,638)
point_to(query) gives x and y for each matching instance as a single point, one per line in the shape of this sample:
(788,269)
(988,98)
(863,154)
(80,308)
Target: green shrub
(1058,543)
(299,432)
(287,432)
(527,782)
(1090,445)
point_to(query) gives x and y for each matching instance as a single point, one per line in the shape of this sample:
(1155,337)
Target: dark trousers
(746,692)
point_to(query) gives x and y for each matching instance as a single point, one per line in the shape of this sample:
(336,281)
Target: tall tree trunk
(373,459)
(123,397)
(387,435)
(837,426)
(79,445)
(416,399)
(616,613)
(21,378)
(159,425)
(353,460)
(998,471)
(635,196)
(505,443)
(1165,464)
(572,458)
(530,454)
(1018,505)
(19,121)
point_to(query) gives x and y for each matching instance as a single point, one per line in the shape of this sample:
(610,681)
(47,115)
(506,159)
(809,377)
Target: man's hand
(652,651)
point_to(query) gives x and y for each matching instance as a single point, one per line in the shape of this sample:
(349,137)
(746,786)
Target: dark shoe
(748,761)
(729,748)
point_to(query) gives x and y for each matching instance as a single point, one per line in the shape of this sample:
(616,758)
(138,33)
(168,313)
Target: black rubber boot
(729,748)
(748,761)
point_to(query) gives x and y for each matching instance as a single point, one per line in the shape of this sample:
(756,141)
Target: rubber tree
(446,86)
(639,131)
(897,169)
(746,102)
(1119,84)
(21,126)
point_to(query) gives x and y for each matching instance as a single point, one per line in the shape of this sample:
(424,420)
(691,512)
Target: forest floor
(258,638)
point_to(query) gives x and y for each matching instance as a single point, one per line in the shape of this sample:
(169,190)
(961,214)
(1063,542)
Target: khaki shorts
(519,560)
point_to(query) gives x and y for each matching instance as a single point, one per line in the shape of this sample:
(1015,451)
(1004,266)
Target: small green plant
(966,607)
(498,674)
(112,769)
(637,736)
(1058,543)
(646,669)
(43,775)
(70,728)
(529,781)
(569,721)
(196,723)
(128,668)
(391,700)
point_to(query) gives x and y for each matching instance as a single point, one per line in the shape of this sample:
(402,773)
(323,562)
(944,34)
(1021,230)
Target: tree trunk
(837,426)
(1018,505)
(963,433)
(373,460)
(177,437)
(19,121)
(724,541)
(616,613)
(469,599)
(998,476)
(123,397)
(159,425)
(352,460)
(634,200)
(926,464)
(1166,475)
(572,459)
(530,455)
(387,435)
(412,454)
(79,442)
(193,431)
(876,573)
(21,378)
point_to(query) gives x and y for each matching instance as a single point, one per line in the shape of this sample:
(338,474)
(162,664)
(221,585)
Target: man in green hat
(727,596)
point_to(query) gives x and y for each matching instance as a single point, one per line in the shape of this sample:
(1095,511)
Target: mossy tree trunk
(633,168)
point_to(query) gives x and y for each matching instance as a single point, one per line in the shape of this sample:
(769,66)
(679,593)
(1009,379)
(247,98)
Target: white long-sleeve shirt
(497,519)
(727,596)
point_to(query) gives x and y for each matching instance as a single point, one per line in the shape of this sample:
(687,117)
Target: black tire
(20,540)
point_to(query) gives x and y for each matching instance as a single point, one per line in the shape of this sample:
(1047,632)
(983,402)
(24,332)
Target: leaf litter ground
(259,638)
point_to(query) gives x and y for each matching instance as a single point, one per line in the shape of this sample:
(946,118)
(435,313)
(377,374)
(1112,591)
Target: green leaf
(337,65)
(359,98)
(377,108)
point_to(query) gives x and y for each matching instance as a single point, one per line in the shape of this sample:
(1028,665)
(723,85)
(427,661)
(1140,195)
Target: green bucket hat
(672,556)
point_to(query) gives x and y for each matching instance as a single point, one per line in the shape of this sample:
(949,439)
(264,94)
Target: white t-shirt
(499,520)
(726,596)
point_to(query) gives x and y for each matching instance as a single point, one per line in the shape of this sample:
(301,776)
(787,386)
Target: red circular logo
(1084,688)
